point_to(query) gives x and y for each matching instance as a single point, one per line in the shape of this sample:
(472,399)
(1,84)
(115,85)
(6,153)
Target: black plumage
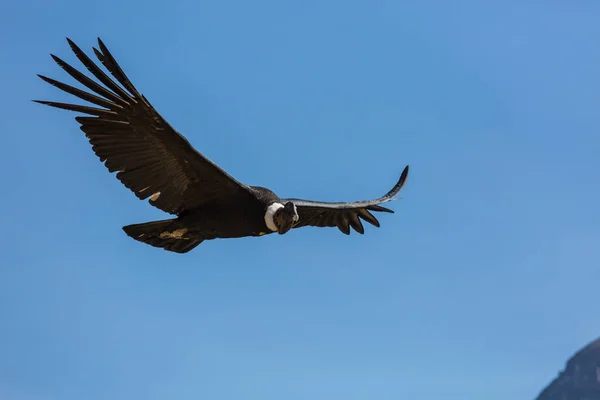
(344,215)
(155,161)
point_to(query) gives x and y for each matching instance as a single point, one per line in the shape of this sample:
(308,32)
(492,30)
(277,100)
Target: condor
(153,160)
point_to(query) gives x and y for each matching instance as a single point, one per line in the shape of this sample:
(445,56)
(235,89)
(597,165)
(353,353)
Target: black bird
(153,160)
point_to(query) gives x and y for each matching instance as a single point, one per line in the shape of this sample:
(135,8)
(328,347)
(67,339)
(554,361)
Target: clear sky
(480,285)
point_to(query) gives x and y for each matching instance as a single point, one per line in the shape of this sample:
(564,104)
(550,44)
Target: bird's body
(224,220)
(155,161)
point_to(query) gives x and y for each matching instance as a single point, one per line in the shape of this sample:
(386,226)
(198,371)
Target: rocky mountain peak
(580,380)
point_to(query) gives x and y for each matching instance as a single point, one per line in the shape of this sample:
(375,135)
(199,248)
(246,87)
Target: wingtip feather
(379,208)
(404,175)
(58,60)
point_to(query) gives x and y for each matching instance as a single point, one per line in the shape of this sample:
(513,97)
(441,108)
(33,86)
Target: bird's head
(281,218)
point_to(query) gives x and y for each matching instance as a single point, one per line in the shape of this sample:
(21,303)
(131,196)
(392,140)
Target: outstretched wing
(344,215)
(133,139)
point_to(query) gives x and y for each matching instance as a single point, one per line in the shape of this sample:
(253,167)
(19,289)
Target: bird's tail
(166,234)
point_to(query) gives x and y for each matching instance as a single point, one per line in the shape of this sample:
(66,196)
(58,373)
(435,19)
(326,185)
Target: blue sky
(480,285)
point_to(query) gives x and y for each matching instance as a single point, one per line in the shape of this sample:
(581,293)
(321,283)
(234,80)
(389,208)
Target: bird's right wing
(344,215)
(134,140)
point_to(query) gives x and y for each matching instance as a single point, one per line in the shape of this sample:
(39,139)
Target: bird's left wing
(344,215)
(131,138)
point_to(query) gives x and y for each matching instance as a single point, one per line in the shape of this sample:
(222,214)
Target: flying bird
(155,161)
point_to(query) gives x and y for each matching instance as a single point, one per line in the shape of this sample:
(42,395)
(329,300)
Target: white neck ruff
(269,216)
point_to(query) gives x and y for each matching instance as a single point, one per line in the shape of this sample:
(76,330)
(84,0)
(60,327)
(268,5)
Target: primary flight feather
(155,161)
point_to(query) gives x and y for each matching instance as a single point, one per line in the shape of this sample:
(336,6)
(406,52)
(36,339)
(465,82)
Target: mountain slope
(580,380)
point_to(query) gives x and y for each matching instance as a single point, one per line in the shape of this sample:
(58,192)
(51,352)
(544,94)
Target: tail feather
(164,234)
